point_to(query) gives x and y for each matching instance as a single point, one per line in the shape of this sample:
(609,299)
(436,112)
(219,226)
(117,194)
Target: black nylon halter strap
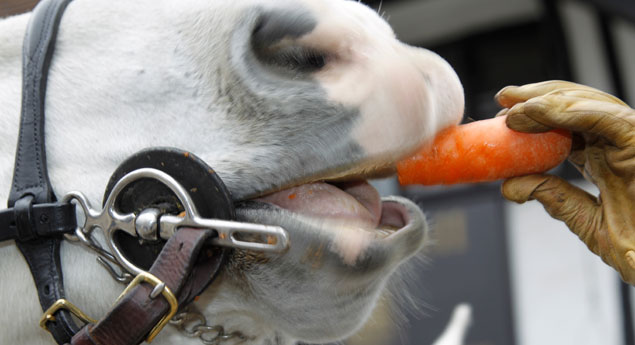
(34,219)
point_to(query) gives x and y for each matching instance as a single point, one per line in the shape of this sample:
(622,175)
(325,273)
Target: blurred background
(528,279)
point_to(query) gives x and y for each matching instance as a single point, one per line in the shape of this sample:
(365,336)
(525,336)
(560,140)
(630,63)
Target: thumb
(578,209)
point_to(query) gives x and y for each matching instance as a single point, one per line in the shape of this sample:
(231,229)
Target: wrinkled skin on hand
(603,151)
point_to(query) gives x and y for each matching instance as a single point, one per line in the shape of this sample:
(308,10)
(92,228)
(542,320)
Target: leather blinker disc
(208,192)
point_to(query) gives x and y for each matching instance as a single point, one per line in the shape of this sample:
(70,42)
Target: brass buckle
(49,314)
(159,287)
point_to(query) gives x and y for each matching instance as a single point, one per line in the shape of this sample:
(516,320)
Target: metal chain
(194,325)
(190,322)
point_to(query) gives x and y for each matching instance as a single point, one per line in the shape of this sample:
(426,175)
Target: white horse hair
(275,96)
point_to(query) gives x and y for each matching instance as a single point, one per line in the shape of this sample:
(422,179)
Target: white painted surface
(625,44)
(585,46)
(563,294)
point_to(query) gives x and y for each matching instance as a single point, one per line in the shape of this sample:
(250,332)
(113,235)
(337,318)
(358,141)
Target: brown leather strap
(180,267)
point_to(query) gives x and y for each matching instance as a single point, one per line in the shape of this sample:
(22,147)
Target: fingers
(578,209)
(519,121)
(502,112)
(511,95)
(577,112)
(516,96)
(578,159)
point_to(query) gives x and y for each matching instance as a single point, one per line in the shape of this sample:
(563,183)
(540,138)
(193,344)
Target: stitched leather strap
(30,173)
(185,265)
(31,186)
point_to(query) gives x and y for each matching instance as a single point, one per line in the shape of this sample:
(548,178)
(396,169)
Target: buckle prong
(157,290)
(159,287)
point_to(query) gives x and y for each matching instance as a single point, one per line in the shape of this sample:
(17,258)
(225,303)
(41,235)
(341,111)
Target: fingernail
(498,94)
(521,189)
(514,191)
(500,97)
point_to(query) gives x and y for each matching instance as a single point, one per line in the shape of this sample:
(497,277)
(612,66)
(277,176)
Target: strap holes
(47,289)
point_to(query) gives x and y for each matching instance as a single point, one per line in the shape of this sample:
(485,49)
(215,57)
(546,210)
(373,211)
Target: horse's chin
(340,257)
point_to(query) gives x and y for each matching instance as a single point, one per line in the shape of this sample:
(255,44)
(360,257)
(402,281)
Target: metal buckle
(159,288)
(49,314)
(143,277)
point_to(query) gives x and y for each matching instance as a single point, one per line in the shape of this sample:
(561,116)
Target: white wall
(563,294)
(625,41)
(431,21)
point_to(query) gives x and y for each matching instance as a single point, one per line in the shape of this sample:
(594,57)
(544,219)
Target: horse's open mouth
(354,203)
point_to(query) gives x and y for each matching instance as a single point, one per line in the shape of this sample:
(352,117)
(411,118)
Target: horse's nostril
(294,59)
(274,41)
(275,25)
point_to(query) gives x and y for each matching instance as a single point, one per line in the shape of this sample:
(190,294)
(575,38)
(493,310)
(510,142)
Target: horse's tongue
(357,202)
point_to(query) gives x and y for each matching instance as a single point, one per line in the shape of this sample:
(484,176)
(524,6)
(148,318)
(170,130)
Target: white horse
(277,96)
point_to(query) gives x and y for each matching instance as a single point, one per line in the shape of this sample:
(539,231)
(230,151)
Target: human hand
(603,151)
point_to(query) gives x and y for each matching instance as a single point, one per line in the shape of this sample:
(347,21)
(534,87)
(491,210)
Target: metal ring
(126,222)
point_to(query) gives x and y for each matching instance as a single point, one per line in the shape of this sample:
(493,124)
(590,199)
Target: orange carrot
(482,151)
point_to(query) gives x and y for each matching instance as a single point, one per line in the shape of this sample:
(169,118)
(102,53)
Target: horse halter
(157,194)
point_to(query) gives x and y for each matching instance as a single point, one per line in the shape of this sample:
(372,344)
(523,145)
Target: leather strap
(30,174)
(30,188)
(37,222)
(41,220)
(180,267)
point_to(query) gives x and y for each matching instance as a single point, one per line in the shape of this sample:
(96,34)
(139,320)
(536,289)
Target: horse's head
(321,90)
(277,97)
